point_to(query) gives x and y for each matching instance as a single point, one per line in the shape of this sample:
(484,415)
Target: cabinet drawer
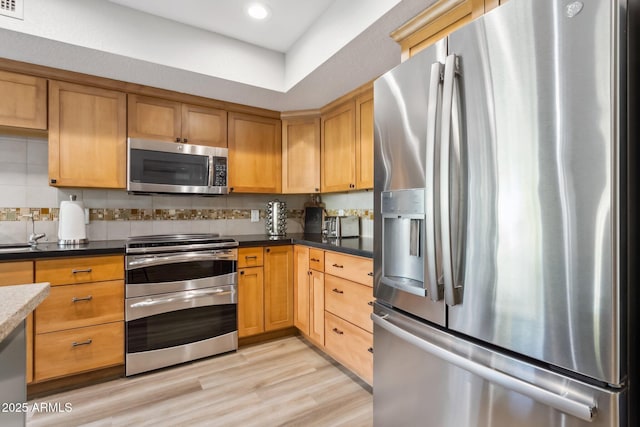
(250,257)
(350,345)
(74,306)
(349,267)
(68,271)
(77,350)
(349,300)
(316,259)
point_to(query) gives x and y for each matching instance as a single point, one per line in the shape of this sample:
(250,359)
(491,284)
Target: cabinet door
(364,141)
(21,273)
(301,155)
(301,274)
(87,136)
(278,287)
(23,101)
(338,149)
(154,118)
(316,304)
(250,301)
(255,154)
(204,126)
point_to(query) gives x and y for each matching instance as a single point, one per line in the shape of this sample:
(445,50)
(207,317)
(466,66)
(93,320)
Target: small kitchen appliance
(71,226)
(313,219)
(342,226)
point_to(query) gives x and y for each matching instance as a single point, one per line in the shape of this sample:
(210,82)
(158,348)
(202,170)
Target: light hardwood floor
(279,383)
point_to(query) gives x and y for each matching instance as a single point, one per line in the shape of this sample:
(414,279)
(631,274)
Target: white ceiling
(289,19)
(342,45)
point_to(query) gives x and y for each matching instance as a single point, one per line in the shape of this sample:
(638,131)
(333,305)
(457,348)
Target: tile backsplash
(115,214)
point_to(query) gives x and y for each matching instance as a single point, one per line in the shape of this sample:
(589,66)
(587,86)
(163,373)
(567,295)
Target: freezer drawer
(424,376)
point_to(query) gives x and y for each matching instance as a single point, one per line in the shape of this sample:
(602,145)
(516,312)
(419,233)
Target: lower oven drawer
(58,354)
(75,306)
(350,345)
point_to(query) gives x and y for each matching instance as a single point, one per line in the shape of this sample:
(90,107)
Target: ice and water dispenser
(403,231)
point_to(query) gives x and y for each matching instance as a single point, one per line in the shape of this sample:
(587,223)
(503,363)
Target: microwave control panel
(219,172)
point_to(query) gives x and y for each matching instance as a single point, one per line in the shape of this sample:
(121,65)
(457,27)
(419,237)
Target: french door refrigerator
(505,206)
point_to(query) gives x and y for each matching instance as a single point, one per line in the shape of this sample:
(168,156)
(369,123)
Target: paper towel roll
(71,226)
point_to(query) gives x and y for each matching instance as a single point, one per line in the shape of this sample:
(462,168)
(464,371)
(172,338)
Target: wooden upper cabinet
(87,136)
(436,22)
(204,126)
(364,141)
(164,120)
(301,155)
(338,162)
(23,101)
(255,154)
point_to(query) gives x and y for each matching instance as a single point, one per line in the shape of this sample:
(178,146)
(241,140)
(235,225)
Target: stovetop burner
(177,242)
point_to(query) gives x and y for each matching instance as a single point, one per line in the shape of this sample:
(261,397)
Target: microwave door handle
(431,188)
(212,171)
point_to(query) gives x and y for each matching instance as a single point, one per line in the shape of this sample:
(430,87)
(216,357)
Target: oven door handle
(174,298)
(141,261)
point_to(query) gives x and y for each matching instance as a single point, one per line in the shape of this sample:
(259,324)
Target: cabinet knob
(309,272)
(76,344)
(370,274)
(338,331)
(268,250)
(242,273)
(317,189)
(53,181)
(370,303)
(230,189)
(178,139)
(370,350)
(338,266)
(337,291)
(87,298)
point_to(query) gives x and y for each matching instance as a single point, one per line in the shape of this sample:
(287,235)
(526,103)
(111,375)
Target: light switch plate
(255,215)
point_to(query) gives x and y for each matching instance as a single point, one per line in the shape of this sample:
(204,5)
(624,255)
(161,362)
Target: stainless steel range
(181,299)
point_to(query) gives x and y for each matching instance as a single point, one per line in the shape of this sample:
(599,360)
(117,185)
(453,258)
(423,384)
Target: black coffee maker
(313,219)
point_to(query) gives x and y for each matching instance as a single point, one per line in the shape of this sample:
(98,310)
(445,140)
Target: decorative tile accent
(136,214)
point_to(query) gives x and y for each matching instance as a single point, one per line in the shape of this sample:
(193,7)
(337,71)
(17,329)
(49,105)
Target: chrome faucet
(34,237)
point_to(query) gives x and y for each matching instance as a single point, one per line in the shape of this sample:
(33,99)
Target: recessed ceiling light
(258,11)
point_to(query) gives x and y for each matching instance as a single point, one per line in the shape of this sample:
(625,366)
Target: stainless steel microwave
(170,167)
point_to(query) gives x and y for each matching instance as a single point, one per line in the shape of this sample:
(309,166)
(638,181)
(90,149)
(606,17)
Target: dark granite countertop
(359,246)
(52,250)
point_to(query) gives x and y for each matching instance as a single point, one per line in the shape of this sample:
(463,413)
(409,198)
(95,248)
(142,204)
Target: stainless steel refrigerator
(505,206)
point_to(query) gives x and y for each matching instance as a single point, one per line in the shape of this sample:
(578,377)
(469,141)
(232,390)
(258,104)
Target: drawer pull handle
(76,344)
(337,291)
(251,257)
(370,303)
(76,271)
(370,350)
(338,266)
(87,298)
(338,331)
(315,260)
(370,274)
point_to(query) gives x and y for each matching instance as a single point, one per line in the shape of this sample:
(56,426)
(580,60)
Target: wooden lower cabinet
(349,300)
(309,294)
(20,273)
(350,345)
(316,307)
(79,327)
(278,287)
(301,294)
(78,350)
(250,301)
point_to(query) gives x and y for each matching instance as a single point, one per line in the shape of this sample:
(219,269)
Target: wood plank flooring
(279,383)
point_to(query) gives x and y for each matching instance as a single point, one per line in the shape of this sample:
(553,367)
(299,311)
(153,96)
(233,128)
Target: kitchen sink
(14,247)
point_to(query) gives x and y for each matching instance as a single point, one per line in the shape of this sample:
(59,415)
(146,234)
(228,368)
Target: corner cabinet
(301,155)
(23,101)
(87,136)
(171,121)
(255,154)
(347,144)
(438,21)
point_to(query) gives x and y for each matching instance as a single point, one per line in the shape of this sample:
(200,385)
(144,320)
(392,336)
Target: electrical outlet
(341,212)
(255,215)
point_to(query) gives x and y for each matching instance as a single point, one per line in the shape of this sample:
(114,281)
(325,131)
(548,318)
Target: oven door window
(180,327)
(174,272)
(156,167)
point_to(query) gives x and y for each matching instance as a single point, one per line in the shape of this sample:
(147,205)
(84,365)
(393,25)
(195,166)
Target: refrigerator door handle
(561,403)
(452,291)
(432,249)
